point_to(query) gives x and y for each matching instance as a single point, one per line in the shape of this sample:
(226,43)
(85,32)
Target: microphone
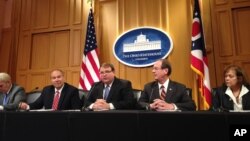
(33,90)
(84,108)
(36,88)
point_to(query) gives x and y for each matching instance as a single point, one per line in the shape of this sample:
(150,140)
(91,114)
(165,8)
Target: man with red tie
(163,93)
(58,96)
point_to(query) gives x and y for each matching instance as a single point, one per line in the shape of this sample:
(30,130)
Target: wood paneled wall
(48,34)
(118,16)
(231,34)
(51,36)
(174,17)
(52,32)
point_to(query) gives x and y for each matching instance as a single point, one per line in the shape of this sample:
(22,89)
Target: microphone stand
(84,108)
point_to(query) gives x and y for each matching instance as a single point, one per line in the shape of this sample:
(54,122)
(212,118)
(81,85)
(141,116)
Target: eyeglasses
(105,72)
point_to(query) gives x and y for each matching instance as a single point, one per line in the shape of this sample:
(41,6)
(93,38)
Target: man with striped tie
(163,93)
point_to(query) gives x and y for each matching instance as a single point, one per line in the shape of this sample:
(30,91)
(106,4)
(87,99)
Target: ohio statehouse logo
(141,47)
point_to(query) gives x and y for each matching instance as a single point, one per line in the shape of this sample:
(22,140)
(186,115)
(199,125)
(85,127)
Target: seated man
(111,92)
(10,94)
(58,96)
(163,93)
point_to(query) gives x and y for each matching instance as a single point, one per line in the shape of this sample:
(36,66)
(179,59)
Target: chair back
(214,90)
(189,92)
(83,94)
(32,96)
(137,94)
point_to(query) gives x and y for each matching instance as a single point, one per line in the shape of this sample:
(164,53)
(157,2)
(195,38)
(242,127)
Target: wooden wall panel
(242,30)
(50,37)
(231,34)
(149,12)
(225,34)
(40,53)
(23,59)
(76,49)
(108,32)
(77,12)
(246,67)
(2,5)
(61,49)
(219,2)
(36,80)
(26,13)
(5,50)
(41,14)
(240,1)
(61,13)
(178,24)
(73,77)
(22,80)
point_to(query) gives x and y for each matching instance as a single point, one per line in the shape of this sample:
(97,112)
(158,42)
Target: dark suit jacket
(16,95)
(120,95)
(223,102)
(69,98)
(176,93)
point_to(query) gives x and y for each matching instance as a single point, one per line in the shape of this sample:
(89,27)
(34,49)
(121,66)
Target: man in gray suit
(163,93)
(10,94)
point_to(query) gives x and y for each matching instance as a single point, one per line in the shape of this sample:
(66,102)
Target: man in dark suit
(58,96)
(163,93)
(111,92)
(10,94)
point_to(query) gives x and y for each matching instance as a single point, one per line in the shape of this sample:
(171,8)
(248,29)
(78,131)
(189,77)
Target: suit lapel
(11,93)
(170,91)
(62,96)
(112,89)
(155,91)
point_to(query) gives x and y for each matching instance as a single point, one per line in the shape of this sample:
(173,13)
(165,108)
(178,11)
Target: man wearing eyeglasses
(163,93)
(111,92)
(10,94)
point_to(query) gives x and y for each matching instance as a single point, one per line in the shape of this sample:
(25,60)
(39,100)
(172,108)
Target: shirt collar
(9,89)
(60,90)
(165,84)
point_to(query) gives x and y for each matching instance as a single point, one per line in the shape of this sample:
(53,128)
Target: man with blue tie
(10,94)
(111,92)
(163,93)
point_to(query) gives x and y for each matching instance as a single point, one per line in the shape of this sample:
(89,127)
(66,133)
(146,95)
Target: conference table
(126,125)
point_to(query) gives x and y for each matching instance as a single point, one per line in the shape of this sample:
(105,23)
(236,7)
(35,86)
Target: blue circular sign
(141,47)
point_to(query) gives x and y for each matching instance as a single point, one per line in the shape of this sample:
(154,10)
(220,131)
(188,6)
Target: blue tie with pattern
(5,100)
(106,92)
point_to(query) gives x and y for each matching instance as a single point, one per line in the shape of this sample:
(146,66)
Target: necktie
(56,100)
(163,93)
(106,92)
(5,100)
